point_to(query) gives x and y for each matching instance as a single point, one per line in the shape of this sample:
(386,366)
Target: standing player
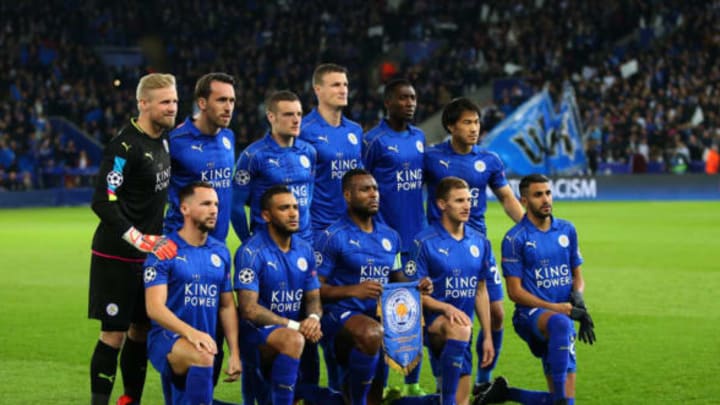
(541,263)
(129,199)
(278,158)
(203,149)
(185,298)
(457,258)
(275,274)
(337,142)
(393,153)
(461,157)
(357,256)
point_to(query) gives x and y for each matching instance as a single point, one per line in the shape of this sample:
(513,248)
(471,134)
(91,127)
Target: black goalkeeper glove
(586,334)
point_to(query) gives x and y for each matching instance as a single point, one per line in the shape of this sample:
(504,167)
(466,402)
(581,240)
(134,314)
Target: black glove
(577,300)
(586,334)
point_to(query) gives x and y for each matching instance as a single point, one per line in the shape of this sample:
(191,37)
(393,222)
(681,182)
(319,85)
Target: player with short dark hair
(276,275)
(129,199)
(457,258)
(393,153)
(460,156)
(541,263)
(185,298)
(278,158)
(357,256)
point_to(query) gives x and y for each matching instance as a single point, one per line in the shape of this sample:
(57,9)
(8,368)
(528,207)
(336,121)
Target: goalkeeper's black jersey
(131,190)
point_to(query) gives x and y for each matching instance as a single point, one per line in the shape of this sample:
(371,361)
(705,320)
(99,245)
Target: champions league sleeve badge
(401,313)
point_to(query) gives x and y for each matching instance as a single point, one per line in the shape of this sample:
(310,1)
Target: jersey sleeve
(325,253)
(311,280)
(397,262)
(489,267)
(241,189)
(115,167)
(369,152)
(497,178)
(512,255)
(156,271)
(576,258)
(227,262)
(417,267)
(247,270)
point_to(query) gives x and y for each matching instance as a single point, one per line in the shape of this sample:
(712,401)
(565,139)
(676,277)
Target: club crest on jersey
(386,244)
(304,161)
(215,259)
(563,240)
(112,309)
(318,258)
(474,251)
(302,264)
(352,138)
(149,274)
(226,143)
(480,166)
(410,268)
(242,177)
(420,147)
(246,275)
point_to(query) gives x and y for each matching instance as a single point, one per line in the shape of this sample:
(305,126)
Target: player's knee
(112,339)
(289,342)
(458,332)
(370,340)
(204,359)
(560,325)
(138,331)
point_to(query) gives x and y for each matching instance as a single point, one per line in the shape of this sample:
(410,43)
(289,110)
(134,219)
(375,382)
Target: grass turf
(651,270)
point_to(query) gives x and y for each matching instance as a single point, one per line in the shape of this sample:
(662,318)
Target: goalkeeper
(129,199)
(541,263)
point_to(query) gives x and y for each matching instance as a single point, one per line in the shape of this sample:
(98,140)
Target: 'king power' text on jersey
(281,279)
(479,168)
(338,150)
(264,164)
(201,157)
(395,159)
(543,260)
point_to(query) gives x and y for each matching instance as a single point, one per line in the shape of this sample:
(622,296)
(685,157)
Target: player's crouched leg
(197,367)
(363,336)
(451,340)
(288,344)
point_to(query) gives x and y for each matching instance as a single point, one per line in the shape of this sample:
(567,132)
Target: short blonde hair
(153,81)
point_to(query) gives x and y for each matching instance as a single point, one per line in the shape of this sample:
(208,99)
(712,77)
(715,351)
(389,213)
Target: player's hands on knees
(488,352)
(457,316)
(586,334)
(310,329)
(562,308)
(202,341)
(367,289)
(234,368)
(425,286)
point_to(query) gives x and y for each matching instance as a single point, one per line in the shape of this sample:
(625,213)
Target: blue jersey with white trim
(281,279)
(201,157)
(347,255)
(479,168)
(264,164)
(195,278)
(455,266)
(544,260)
(338,150)
(395,159)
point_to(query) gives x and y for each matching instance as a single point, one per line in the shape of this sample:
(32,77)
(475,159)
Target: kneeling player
(275,275)
(185,296)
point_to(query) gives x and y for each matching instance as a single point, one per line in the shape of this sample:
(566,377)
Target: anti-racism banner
(400,308)
(565,152)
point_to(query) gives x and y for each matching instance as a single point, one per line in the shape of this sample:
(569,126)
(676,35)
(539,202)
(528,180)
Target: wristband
(294,325)
(315,317)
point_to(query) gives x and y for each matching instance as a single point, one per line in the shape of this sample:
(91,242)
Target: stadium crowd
(49,51)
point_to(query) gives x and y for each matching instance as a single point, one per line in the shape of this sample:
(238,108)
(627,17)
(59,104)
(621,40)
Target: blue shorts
(525,322)
(160,342)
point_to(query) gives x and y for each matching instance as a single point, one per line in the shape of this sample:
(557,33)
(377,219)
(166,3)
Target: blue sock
(431,399)
(333,372)
(485,374)
(283,376)
(560,328)
(571,401)
(528,397)
(362,370)
(413,377)
(451,359)
(199,385)
(312,393)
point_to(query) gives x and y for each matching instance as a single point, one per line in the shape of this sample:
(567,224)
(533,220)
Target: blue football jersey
(455,266)
(195,278)
(347,255)
(200,157)
(338,150)
(395,159)
(280,278)
(264,164)
(543,260)
(479,168)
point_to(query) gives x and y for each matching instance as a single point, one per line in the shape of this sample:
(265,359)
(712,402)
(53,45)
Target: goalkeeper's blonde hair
(153,81)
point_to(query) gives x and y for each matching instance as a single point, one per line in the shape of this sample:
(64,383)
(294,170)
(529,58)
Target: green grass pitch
(652,275)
